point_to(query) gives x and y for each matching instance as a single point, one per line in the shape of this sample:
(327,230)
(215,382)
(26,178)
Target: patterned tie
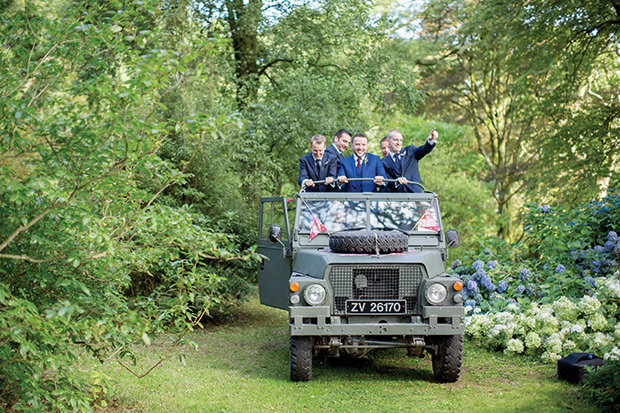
(359,162)
(397,161)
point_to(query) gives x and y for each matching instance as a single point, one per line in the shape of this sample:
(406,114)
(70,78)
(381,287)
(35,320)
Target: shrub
(545,297)
(603,385)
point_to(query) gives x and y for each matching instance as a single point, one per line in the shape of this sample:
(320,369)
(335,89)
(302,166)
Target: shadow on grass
(255,342)
(391,365)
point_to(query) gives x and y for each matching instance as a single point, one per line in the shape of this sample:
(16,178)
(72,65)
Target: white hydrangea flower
(597,322)
(496,330)
(614,354)
(565,309)
(576,328)
(568,345)
(468,309)
(600,340)
(546,322)
(550,356)
(478,325)
(513,307)
(589,305)
(554,342)
(514,345)
(609,286)
(527,321)
(533,340)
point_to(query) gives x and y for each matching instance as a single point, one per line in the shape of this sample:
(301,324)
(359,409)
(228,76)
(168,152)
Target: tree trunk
(244,21)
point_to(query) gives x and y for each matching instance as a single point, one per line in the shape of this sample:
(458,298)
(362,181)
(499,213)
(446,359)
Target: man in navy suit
(317,166)
(402,164)
(385,147)
(342,138)
(361,165)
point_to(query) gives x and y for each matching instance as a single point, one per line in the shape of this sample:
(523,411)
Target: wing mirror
(452,238)
(275,234)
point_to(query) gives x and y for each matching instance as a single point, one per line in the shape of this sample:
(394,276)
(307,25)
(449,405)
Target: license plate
(376,306)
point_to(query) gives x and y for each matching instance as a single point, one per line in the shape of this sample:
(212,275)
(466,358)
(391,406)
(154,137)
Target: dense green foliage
(538,85)
(136,138)
(555,293)
(603,386)
(90,261)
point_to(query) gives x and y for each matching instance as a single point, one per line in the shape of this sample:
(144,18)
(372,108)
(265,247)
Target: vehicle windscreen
(334,215)
(338,215)
(403,215)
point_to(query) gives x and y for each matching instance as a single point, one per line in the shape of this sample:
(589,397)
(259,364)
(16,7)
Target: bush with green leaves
(603,385)
(546,297)
(91,262)
(555,293)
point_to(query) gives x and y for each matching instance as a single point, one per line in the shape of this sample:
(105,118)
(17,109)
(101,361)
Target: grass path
(243,366)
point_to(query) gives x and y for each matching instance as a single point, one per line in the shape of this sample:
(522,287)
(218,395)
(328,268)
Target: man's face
(385,148)
(396,142)
(360,146)
(317,149)
(343,142)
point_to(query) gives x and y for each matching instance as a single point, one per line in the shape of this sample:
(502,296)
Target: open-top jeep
(362,271)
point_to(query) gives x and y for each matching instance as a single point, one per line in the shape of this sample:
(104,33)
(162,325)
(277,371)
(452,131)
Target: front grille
(370,282)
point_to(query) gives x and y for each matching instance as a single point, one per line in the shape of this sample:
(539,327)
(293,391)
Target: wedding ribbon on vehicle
(427,221)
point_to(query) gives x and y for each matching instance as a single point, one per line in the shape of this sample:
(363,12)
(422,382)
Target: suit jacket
(410,156)
(307,170)
(332,151)
(373,167)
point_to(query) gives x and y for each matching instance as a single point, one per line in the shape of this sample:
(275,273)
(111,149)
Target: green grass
(243,366)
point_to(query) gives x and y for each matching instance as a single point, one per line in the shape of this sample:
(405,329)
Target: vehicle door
(274,270)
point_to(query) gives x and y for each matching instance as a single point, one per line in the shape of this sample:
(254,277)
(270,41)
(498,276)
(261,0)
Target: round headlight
(314,294)
(436,294)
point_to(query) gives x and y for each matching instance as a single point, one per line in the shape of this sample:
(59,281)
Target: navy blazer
(307,170)
(410,156)
(332,151)
(373,167)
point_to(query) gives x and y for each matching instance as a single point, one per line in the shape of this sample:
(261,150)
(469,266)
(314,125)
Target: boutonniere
(403,153)
(365,160)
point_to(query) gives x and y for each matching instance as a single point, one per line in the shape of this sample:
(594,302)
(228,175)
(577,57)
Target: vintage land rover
(362,271)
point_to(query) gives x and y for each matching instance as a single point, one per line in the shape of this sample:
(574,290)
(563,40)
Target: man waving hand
(402,163)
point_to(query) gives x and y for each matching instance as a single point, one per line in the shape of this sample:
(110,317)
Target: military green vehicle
(362,271)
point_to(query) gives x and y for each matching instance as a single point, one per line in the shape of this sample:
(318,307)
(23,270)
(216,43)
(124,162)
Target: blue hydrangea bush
(554,293)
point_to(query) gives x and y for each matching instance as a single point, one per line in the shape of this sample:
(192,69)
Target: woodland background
(136,138)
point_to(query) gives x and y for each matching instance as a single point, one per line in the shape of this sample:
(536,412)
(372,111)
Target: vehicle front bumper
(317,321)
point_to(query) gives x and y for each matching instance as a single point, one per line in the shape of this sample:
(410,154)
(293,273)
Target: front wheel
(300,366)
(447,358)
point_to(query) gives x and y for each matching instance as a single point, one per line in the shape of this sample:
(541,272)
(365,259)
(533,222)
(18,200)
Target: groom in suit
(361,165)
(402,164)
(317,166)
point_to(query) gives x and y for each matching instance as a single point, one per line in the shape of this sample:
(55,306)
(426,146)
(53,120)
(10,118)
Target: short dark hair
(384,139)
(359,135)
(341,132)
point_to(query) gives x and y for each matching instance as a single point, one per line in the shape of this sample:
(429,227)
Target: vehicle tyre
(300,366)
(368,242)
(447,358)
